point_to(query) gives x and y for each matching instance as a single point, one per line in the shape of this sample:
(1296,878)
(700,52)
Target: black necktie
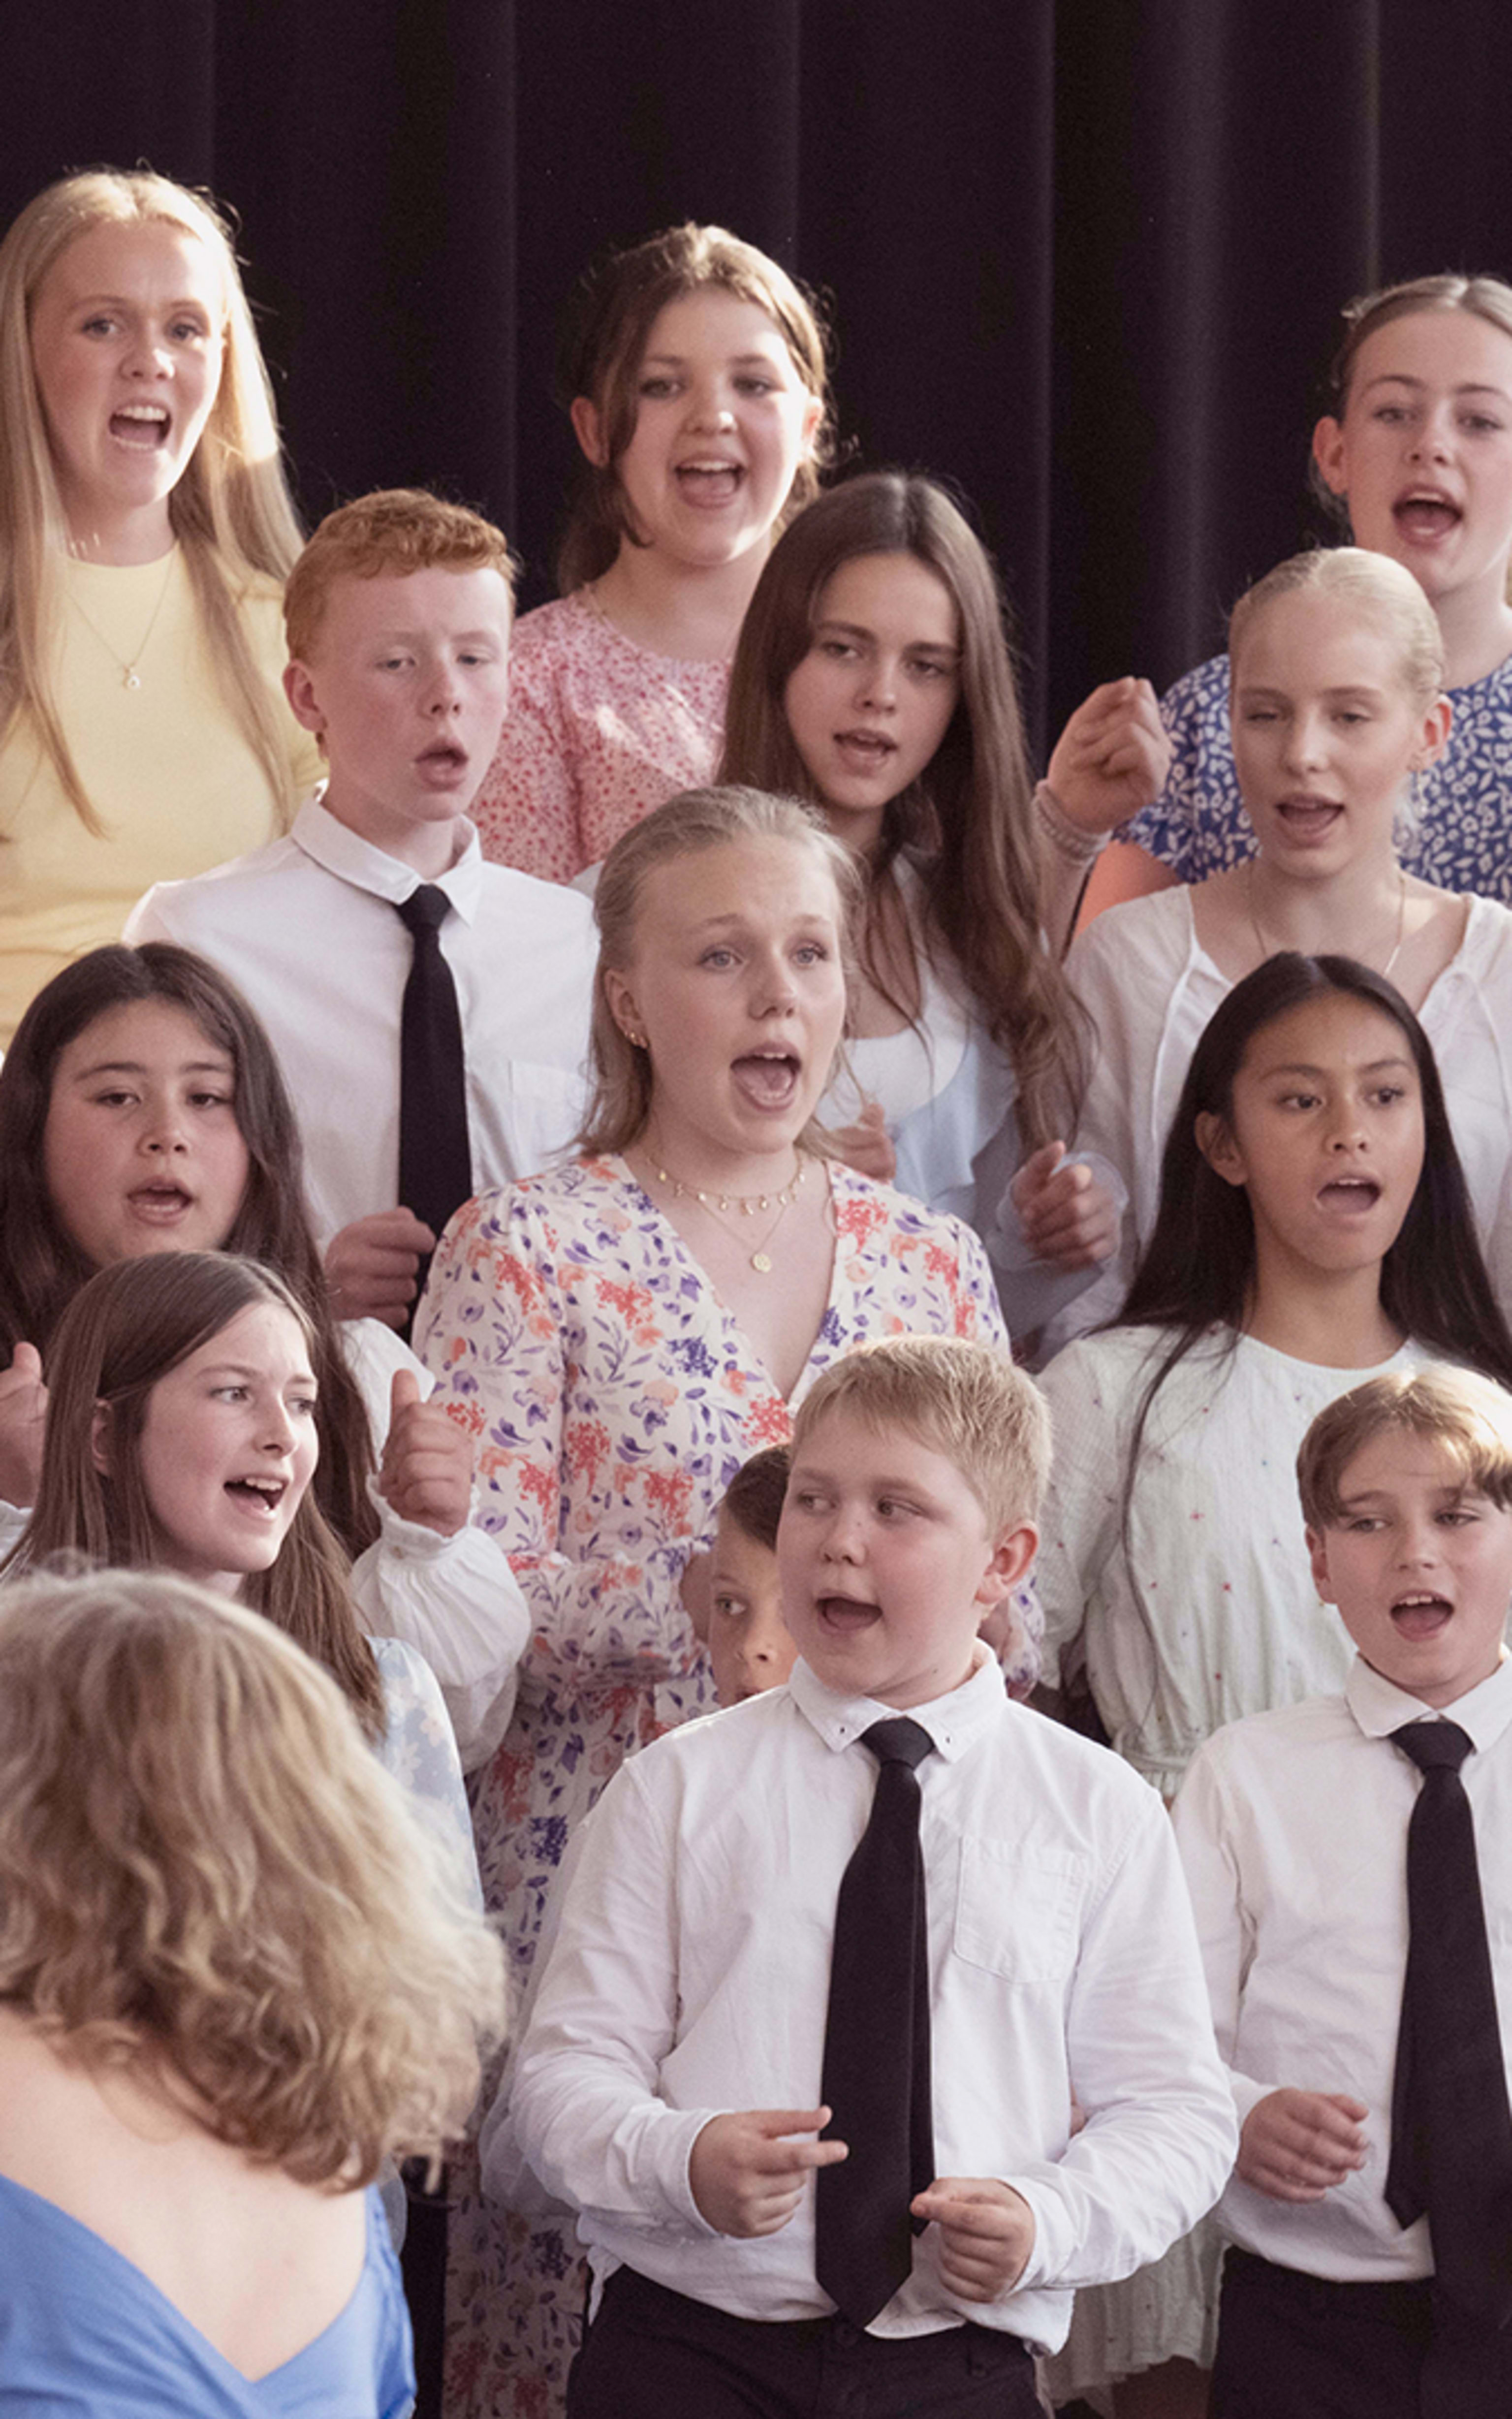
(1451,2125)
(434,1159)
(876,2072)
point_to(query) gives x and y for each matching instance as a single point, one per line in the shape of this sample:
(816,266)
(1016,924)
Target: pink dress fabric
(599,730)
(612,1399)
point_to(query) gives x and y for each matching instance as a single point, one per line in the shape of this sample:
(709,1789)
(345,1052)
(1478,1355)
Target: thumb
(404,1390)
(1036,1170)
(26,1362)
(874,1114)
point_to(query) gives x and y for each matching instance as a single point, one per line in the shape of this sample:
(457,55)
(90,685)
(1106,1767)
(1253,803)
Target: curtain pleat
(1084,260)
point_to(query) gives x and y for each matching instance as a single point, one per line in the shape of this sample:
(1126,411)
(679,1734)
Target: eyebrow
(1469,386)
(1297,1067)
(125,302)
(249,1369)
(737,361)
(135,1066)
(736,920)
(1343,689)
(861,630)
(1451,1491)
(395,638)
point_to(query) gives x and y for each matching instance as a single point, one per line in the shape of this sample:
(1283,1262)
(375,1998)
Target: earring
(635,1041)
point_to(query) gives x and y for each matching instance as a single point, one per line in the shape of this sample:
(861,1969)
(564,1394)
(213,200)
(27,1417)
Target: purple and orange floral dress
(612,1397)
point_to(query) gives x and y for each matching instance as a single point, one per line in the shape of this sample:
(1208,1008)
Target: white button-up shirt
(691,1976)
(1293,1828)
(308,929)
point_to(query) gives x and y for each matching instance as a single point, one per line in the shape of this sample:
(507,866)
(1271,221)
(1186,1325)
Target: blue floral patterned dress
(612,1399)
(1463,835)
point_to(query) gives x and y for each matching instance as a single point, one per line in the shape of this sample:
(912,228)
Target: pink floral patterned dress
(612,1397)
(599,730)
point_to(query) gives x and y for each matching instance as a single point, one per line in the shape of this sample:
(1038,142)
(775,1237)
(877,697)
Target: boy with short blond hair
(398,617)
(1348,1864)
(821,2133)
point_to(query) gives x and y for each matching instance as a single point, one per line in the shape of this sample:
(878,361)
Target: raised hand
(426,1470)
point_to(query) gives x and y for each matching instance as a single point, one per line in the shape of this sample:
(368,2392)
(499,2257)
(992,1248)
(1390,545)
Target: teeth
(141,411)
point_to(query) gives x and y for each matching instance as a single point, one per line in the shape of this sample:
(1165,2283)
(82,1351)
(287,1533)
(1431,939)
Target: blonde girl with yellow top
(145,530)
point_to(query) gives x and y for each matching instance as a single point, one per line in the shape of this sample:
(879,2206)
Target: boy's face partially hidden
(1420,1570)
(888,1563)
(407,685)
(750,1645)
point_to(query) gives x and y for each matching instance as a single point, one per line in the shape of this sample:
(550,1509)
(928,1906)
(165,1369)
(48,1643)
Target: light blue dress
(84,2335)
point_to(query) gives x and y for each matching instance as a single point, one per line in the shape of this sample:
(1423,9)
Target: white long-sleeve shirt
(690,1974)
(1293,1828)
(308,929)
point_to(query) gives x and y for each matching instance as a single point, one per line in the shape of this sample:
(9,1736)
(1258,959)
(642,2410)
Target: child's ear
(299,687)
(1436,727)
(1318,1556)
(813,414)
(1327,452)
(588,427)
(1220,1150)
(621,1004)
(99,1439)
(1013,1554)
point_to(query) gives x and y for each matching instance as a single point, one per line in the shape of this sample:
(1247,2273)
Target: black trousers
(1297,2347)
(654,2354)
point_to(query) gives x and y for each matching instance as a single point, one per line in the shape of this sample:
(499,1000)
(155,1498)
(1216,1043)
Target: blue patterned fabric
(1463,838)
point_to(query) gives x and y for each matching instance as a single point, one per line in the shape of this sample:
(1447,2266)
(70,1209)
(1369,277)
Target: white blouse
(1150,988)
(1210,1613)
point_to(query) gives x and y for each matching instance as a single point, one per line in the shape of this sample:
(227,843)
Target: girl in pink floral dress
(619,1337)
(694,372)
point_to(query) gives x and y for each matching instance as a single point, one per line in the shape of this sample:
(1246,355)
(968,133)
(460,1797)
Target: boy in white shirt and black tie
(1349,1860)
(832,1962)
(430,1011)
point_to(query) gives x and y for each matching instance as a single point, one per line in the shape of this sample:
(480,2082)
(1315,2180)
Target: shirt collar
(1381,1707)
(352,858)
(954,1721)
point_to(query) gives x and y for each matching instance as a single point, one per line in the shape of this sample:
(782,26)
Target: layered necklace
(1267,951)
(722,1205)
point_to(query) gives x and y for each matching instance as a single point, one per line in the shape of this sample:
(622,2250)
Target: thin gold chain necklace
(749,1205)
(131,677)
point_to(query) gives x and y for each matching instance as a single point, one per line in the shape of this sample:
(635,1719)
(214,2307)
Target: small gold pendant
(761,1262)
(130,681)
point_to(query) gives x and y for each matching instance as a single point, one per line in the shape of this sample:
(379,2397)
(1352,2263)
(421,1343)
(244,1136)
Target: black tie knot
(424,910)
(899,1741)
(1434,1747)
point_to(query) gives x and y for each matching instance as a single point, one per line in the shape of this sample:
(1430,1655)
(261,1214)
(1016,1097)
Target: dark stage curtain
(1085,259)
